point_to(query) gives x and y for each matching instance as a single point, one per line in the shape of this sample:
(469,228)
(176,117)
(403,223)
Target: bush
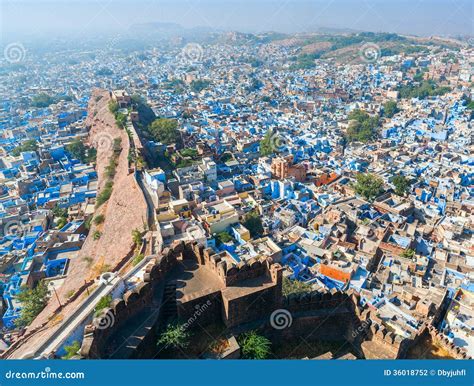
(253,223)
(96,235)
(254,346)
(164,130)
(362,126)
(138,258)
(29,145)
(62,221)
(368,185)
(71,350)
(295,287)
(99,219)
(105,194)
(103,303)
(175,336)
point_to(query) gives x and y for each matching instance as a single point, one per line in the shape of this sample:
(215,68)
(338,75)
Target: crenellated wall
(328,315)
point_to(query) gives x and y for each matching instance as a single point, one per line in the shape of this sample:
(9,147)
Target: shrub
(99,219)
(71,350)
(103,303)
(254,346)
(138,258)
(174,336)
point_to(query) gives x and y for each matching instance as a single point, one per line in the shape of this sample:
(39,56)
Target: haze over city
(84,18)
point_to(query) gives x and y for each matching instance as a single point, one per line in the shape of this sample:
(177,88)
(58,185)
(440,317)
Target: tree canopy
(295,287)
(32,303)
(266,144)
(402,184)
(425,89)
(28,145)
(390,108)
(254,224)
(81,152)
(362,126)
(164,130)
(368,185)
(199,85)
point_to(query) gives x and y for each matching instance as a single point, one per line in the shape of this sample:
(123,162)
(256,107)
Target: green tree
(146,115)
(223,237)
(390,108)
(32,303)
(175,336)
(254,346)
(253,223)
(61,222)
(368,185)
(28,145)
(77,149)
(58,211)
(42,100)
(266,144)
(71,350)
(402,184)
(199,85)
(425,89)
(81,152)
(408,253)
(295,287)
(362,126)
(164,130)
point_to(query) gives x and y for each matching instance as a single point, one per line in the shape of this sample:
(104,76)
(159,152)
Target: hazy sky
(85,17)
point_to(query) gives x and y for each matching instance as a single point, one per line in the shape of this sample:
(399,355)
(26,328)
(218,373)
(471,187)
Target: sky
(78,18)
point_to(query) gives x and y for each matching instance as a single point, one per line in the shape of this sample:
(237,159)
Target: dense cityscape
(243,195)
